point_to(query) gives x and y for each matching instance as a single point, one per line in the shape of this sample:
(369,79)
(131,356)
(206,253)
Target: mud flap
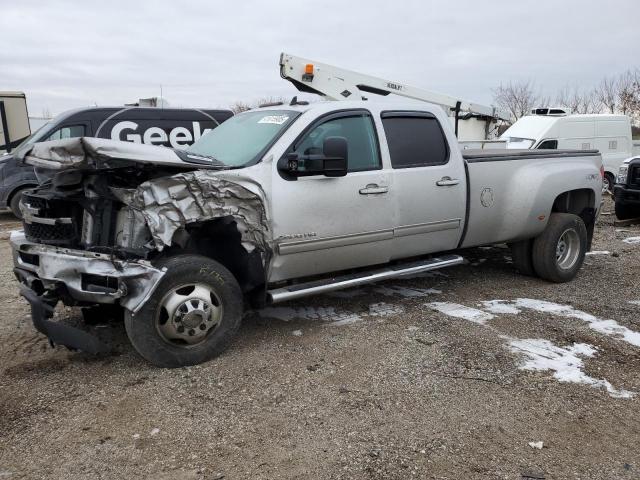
(59,334)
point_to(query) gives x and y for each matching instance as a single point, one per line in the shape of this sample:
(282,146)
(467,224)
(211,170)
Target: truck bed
(510,199)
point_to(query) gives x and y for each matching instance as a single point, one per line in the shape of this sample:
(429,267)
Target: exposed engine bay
(97,222)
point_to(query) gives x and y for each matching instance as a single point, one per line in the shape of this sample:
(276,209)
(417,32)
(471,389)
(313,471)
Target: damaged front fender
(171,203)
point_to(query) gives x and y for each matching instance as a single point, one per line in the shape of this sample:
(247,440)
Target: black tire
(611,180)
(145,327)
(14,203)
(522,255)
(625,211)
(546,247)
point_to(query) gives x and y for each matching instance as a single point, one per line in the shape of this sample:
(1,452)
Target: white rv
(14,120)
(555,129)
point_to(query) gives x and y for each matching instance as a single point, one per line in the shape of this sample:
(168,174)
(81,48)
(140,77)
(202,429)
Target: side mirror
(336,156)
(333,162)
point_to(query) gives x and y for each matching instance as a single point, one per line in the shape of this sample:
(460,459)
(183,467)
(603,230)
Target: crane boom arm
(338,83)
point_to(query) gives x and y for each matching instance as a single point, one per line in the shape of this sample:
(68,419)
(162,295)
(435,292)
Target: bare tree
(578,101)
(241,106)
(618,94)
(607,94)
(629,94)
(517,98)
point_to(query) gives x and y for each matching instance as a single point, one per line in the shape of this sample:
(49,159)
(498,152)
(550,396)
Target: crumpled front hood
(100,153)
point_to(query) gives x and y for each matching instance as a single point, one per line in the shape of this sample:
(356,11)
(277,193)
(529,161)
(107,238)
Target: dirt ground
(412,378)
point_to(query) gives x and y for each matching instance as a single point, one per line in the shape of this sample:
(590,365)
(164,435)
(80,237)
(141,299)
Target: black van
(170,127)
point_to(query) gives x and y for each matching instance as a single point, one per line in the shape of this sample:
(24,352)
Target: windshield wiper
(200,159)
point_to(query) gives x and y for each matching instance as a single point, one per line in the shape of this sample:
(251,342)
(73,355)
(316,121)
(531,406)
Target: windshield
(517,142)
(242,139)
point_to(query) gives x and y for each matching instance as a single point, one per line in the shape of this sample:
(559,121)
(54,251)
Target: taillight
(602,171)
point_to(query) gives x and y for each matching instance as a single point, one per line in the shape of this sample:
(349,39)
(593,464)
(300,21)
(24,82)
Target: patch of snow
(599,252)
(297,333)
(460,311)
(634,302)
(606,327)
(385,309)
(408,292)
(155,431)
(632,240)
(499,306)
(565,362)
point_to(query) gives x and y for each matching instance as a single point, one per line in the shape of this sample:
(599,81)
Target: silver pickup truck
(278,203)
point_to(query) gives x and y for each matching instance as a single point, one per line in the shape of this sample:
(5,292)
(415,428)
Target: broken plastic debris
(537,445)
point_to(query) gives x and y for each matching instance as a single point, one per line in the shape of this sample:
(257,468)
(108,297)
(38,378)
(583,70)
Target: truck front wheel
(559,251)
(625,211)
(192,315)
(14,203)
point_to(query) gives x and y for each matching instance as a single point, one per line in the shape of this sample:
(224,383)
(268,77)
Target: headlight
(622,174)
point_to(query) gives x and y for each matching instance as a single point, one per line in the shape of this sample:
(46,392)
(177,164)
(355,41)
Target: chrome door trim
(289,248)
(421,228)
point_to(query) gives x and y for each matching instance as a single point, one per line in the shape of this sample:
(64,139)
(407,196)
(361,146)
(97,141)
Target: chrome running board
(291,292)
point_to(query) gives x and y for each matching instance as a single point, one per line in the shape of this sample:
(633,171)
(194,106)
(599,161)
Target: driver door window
(361,139)
(72,131)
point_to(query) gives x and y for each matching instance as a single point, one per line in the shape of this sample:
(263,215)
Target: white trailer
(471,121)
(14,120)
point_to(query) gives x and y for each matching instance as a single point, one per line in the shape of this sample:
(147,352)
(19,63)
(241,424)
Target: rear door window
(415,139)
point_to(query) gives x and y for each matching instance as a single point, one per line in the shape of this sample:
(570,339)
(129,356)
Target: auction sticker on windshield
(274,119)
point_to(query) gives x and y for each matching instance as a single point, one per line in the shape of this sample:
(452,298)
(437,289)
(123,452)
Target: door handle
(373,189)
(447,182)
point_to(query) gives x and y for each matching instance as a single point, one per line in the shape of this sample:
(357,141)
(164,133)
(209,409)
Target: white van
(554,129)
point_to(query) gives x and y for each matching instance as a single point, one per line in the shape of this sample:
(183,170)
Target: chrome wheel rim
(606,185)
(568,249)
(187,314)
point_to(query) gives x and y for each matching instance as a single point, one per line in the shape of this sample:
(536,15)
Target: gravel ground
(371,383)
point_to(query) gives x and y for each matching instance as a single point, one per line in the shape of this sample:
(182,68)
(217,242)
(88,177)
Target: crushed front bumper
(49,274)
(625,195)
(59,333)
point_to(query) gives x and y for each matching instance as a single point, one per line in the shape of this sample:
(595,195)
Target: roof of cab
(373,105)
